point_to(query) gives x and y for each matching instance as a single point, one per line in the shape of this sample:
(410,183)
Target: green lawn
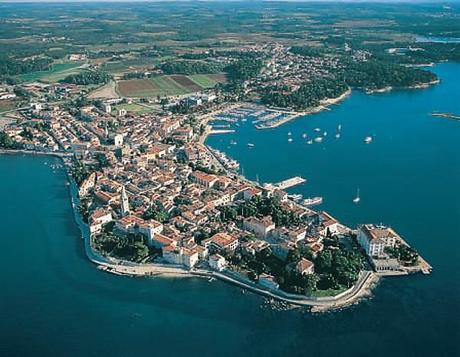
(133,108)
(203,80)
(57,72)
(328,292)
(7,105)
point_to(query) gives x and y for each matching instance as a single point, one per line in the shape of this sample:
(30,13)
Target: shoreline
(324,105)
(354,294)
(391,89)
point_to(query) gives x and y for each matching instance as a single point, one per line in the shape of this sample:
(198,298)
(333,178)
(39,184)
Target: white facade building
(260,227)
(374,239)
(217,262)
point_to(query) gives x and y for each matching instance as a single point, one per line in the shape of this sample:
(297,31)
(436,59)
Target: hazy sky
(337,1)
(396,1)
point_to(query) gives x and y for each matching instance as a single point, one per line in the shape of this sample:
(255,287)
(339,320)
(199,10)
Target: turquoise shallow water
(54,302)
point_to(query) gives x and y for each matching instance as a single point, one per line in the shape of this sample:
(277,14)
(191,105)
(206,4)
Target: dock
(446,115)
(221,131)
(293,181)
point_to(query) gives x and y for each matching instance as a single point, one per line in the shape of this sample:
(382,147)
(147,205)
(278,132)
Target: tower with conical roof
(124,202)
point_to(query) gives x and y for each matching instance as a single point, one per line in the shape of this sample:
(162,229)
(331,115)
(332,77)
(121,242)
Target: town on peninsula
(152,199)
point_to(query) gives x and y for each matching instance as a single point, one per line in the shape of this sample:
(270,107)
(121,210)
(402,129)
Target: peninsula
(151,199)
(130,124)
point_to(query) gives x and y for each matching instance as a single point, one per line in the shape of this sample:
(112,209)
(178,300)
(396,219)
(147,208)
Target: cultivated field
(167,85)
(107,91)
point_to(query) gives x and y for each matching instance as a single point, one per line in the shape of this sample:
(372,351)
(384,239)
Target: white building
(98,218)
(87,185)
(150,228)
(180,256)
(374,239)
(118,140)
(217,262)
(106,108)
(260,227)
(222,242)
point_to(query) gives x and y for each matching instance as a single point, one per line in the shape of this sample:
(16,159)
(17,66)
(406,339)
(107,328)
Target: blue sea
(54,302)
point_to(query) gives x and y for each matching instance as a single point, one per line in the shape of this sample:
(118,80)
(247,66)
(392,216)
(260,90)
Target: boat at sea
(304,135)
(368,139)
(337,135)
(289,133)
(295,197)
(251,145)
(318,139)
(357,198)
(312,201)
(290,140)
(325,133)
(232,142)
(317,129)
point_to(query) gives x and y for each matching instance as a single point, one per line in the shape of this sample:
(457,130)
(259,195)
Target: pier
(446,115)
(221,131)
(293,181)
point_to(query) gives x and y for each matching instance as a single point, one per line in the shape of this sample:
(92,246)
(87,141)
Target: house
(150,228)
(106,198)
(222,242)
(260,227)
(106,107)
(160,241)
(281,250)
(98,218)
(250,192)
(118,140)
(171,254)
(327,224)
(374,239)
(180,256)
(254,246)
(127,224)
(87,185)
(203,179)
(189,257)
(304,267)
(217,262)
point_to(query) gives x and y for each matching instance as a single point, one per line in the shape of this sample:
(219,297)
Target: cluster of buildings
(156,162)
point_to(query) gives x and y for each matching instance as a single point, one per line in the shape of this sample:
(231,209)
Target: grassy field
(129,65)
(57,72)
(167,85)
(134,108)
(7,105)
(207,80)
(329,292)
